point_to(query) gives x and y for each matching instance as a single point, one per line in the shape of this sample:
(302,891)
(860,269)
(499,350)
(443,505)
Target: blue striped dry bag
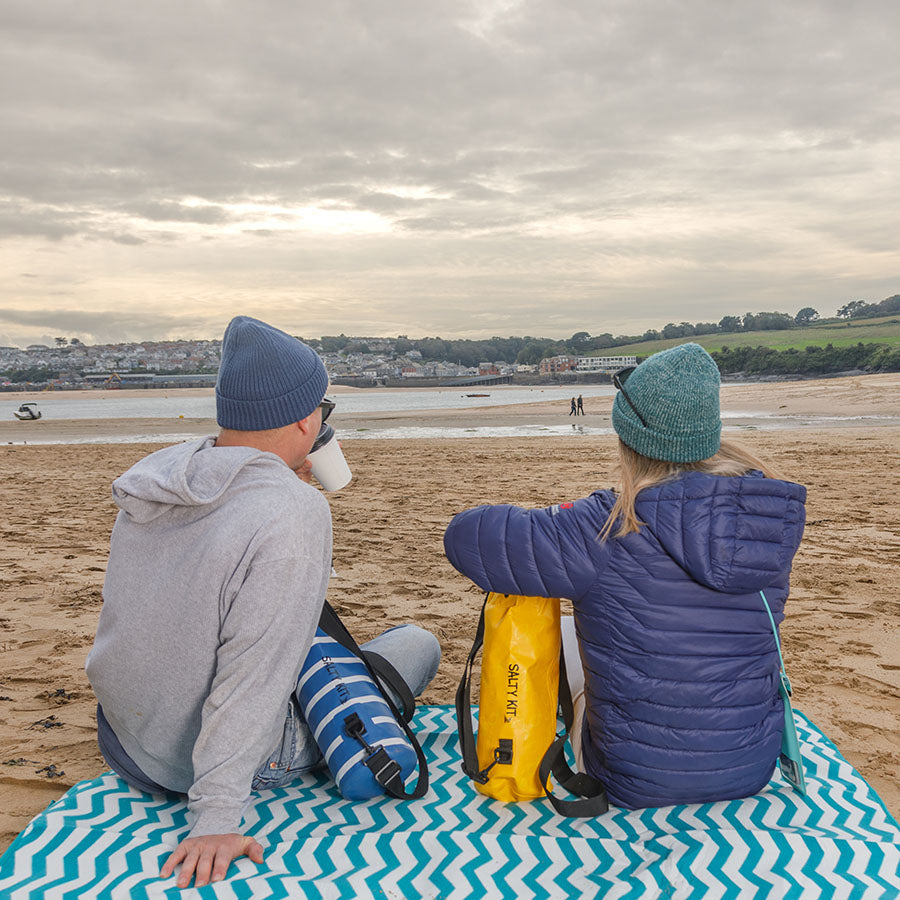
(365,748)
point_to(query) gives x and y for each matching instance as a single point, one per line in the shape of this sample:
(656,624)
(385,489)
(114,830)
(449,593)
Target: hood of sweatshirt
(193,474)
(733,534)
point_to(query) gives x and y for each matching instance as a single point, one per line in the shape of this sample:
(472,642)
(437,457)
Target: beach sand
(841,635)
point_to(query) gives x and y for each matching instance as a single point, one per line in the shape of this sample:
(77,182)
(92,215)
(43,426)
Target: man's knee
(413,651)
(427,646)
(420,643)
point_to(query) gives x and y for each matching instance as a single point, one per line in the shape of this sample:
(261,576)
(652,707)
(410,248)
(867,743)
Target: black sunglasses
(327,407)
(619,379)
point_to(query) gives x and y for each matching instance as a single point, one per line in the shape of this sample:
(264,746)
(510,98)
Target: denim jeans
(414,652)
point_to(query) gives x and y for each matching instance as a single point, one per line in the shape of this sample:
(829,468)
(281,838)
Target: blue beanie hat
(676,392)
(267,379)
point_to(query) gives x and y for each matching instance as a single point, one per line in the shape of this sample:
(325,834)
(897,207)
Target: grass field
(866,331)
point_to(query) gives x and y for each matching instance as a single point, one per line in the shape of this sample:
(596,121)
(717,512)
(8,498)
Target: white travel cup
(329,467)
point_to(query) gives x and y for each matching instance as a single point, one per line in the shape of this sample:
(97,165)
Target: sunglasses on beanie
(619,379)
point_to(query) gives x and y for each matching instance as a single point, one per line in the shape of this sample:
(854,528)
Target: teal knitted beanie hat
(676,393)
(267,379)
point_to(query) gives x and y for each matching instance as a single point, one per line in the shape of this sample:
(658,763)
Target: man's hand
(304,471)
(210,855)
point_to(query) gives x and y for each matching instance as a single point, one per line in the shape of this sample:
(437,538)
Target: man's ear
(306,425)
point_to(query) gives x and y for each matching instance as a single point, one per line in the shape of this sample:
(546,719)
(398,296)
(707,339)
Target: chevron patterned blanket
(103,839)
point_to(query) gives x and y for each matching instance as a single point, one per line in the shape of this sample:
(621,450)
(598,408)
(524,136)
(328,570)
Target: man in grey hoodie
(219,561)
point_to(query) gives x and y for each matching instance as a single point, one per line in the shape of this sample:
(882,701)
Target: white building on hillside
(604,363)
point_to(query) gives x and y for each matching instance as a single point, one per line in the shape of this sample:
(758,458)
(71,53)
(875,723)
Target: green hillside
(839,334)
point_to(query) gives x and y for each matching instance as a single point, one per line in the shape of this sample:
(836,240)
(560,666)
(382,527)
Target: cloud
(172,211)
(104,325)
(585,155)
(127,239)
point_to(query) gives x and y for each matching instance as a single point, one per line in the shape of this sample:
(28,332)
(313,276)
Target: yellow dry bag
(523,684)
(519,696)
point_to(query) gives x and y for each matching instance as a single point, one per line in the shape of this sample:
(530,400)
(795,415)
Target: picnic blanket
(104,839)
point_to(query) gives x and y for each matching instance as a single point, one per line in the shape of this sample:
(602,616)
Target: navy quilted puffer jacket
(681,667)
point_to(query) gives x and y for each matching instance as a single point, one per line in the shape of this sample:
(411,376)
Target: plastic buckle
(503,756)
(355,728)
(354,725)
(786,685)
(382,766)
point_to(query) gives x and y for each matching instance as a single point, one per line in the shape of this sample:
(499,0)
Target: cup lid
(325,434)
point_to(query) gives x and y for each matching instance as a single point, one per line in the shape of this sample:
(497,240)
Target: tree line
(859,309)
(582,343)
(809,361)
(531,350)
(730,360)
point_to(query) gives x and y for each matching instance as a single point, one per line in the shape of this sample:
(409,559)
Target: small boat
(27,412)
(478,395)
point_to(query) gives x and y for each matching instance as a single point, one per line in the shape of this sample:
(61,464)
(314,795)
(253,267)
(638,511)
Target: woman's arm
(551,552)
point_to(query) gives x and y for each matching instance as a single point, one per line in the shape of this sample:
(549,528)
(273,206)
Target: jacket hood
(193,474)
(732,534)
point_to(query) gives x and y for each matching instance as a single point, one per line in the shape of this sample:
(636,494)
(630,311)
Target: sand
(841,635)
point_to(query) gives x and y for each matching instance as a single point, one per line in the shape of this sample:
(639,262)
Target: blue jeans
(414,652)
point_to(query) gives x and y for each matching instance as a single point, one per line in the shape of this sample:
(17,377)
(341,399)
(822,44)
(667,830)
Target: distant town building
(604,363)
(102,365)
(554,364)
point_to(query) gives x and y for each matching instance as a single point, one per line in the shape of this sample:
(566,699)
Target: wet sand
(841,635)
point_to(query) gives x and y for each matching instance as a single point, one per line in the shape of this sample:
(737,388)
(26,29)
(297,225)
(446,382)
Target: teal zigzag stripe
(103,839)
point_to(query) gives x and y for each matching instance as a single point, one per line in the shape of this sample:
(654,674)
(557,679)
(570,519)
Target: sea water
(172,404)
(175,404)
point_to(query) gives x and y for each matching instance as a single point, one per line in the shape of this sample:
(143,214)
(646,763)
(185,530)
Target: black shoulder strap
(380,669)
(388,675)
(464,708)
(332,625)
(593,800)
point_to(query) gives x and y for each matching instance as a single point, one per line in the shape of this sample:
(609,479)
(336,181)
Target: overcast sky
(442,168)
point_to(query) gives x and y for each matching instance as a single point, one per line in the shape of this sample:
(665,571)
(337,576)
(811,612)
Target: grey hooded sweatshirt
(219,561)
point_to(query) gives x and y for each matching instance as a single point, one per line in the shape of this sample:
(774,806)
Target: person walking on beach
(219,561)
(676,685)
(580,405)
(573,409)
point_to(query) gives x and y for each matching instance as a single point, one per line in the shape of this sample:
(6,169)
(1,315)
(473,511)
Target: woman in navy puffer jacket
(680,663)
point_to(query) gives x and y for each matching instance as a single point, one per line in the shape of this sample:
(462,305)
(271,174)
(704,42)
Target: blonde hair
(637,472)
